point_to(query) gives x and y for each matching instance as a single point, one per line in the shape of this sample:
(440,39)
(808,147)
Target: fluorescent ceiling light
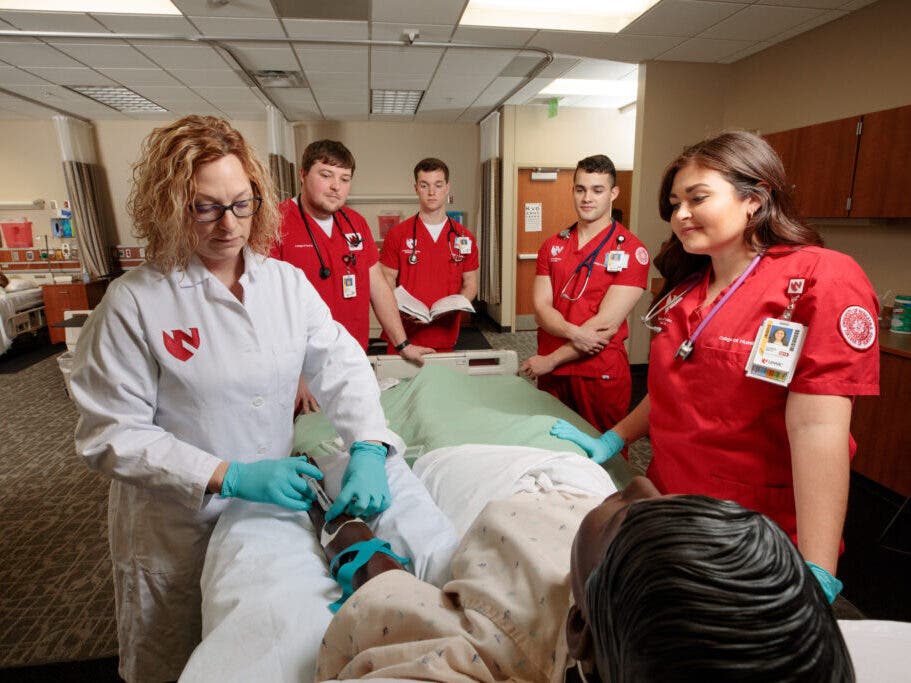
(117,97)
(106,6)
(581,86)
(598,16)
(395,101)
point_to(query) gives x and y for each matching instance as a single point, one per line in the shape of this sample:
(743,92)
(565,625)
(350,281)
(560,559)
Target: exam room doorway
(544,206)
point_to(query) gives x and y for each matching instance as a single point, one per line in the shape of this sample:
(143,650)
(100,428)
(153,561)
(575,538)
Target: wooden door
(557,212)
(883,173)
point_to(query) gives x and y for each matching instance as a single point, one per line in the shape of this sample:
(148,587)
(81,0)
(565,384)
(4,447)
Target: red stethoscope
(353,239)
(454,256)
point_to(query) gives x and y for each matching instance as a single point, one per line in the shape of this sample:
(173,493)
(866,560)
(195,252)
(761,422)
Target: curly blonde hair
(164,188)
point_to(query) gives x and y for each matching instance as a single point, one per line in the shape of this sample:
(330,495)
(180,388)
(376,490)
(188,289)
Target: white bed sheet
(12,303)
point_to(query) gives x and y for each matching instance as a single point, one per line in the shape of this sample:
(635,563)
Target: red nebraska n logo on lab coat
(174,342)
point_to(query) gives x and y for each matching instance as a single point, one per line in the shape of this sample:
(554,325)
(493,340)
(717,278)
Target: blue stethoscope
(353,239)
(454,256)
(667,302)
(588,262)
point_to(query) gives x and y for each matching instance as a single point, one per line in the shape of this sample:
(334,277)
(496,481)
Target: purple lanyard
(686,348)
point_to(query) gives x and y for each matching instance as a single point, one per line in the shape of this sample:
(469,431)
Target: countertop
(894,343)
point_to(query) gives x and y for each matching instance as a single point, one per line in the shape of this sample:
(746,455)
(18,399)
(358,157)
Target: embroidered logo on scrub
(175,341)
(858,327)
(555,250)
(642,256)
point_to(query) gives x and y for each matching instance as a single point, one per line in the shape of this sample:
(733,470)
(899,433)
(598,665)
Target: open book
(416,309)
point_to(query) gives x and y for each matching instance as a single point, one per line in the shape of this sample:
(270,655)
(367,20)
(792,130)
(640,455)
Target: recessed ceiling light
(582,86)
(106,6)
(117,97)
(395,101)
(594,16)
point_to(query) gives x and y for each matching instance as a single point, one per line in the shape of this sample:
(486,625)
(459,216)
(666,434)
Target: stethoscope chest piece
(324,273)
(413,258)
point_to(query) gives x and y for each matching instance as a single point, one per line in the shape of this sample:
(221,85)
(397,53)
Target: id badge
(776,350)
(463,244)
(616,261)
(349,288)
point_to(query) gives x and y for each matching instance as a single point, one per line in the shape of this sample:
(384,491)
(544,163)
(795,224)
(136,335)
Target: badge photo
(775,351)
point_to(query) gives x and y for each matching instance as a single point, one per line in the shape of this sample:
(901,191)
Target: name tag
(463,244)
(349,286)
(616,261)
(776,350)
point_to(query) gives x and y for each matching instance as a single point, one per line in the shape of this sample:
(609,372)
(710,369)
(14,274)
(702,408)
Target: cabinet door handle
(528,257)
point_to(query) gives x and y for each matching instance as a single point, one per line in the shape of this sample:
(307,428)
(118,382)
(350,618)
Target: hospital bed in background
(21,311)
(475,431)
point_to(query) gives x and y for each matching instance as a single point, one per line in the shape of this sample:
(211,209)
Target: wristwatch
(399,347)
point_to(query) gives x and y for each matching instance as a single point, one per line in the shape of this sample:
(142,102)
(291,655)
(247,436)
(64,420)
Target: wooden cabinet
(883,173)
(73,296)
(858,167)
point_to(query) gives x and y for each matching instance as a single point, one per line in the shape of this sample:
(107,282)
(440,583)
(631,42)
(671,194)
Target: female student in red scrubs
(729,414)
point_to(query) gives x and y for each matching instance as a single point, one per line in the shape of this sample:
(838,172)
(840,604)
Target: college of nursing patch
(857,327)
(642,256)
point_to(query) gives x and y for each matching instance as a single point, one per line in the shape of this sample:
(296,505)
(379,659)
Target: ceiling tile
(144,23)
(399,82)
(135,77)
(256,56)
(439,115)
(344,110)
(529,91)
(423,12)
(239,28)
(70,76)
(335,59)
(473,115)
(601,69)
(225,95)
(176,55)
(427,32)
(318,29)
(479,62)
(704,50)
(856,4)
(10,75)
(215,78)
(327,79)
(492,36)
(681,18)
(496,91)
(815,4)
(824,18)
(753,49)
(400,60)
(524,64)
(338,93)
(104,54)
(52,21)
(236,8)
(760,22)
(33,54)
(617,47)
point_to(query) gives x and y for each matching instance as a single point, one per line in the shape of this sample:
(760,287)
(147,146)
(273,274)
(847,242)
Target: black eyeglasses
(208,213)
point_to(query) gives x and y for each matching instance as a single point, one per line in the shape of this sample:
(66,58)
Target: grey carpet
(56,595)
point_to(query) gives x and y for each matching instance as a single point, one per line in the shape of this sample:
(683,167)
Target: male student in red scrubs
(588,279)
(431,256)
(333,245)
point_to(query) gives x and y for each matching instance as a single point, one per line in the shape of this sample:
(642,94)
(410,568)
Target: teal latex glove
(365,489)
(271,481)
(830,585)
(599,450)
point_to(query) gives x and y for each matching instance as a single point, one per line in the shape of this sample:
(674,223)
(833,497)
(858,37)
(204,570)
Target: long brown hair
(754,169)
(163,188)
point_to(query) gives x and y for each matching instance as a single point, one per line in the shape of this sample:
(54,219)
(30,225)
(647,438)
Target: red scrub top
(296,248)
(558,257)
(716,432)
(435,275)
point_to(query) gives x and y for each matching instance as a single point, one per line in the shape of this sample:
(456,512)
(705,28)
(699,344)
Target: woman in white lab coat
(185,379)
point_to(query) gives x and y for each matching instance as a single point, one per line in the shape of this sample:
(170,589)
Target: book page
(409,305)
(453,302)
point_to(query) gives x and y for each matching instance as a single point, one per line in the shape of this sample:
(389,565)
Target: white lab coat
(158,421)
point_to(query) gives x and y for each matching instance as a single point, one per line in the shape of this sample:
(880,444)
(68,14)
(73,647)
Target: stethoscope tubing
(413,256)
(324,270)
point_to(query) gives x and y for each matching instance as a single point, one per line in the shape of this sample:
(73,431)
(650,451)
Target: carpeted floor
(56,598)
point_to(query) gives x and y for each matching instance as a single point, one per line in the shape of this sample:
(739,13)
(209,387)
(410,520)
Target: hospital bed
(21,312)
(475,431)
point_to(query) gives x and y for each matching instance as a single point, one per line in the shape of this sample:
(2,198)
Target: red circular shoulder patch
(642,256)
(858,327)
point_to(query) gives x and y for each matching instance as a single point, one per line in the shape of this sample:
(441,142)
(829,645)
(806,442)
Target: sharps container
(901,314)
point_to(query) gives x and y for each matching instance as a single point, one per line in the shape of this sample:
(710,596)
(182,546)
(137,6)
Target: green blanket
(441,407)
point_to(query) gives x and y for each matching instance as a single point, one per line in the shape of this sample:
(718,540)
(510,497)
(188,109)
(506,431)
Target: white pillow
(17,284)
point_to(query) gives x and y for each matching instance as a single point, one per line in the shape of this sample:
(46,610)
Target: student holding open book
(432,263)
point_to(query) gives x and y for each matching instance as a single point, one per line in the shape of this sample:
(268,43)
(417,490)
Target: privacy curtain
(84,187)
(281,149)
(490,233)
